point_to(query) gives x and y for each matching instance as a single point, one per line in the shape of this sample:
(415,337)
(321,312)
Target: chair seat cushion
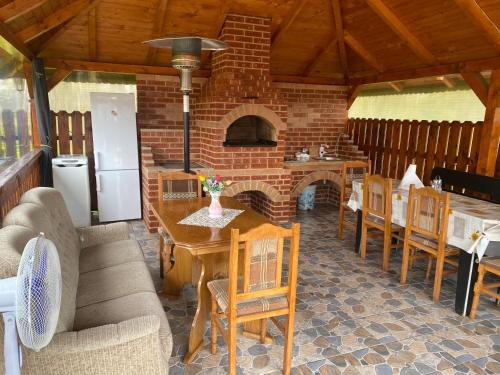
(380,221)
(109,254)
(123,308)
(449,250)
(492,263)
(113,282)
(219,289)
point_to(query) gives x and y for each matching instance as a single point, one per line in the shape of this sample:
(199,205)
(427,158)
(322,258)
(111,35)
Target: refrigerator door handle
(96,160)
(98,182)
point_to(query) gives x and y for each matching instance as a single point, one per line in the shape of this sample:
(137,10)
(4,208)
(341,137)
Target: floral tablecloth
(469,217)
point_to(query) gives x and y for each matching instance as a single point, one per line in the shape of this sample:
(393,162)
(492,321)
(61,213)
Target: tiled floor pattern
(352,318)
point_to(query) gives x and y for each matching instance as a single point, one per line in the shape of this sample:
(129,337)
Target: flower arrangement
(213,184)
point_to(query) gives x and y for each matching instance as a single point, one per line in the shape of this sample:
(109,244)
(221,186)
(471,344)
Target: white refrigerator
(114,133)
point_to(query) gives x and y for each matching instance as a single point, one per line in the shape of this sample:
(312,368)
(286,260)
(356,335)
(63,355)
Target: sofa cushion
(109,254)
(124,308)
(13,239)
(35,218)
(113,282)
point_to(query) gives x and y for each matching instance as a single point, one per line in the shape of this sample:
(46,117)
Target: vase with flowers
(214,186)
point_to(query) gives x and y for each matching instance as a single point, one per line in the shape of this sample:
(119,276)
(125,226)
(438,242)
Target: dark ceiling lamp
(186,53)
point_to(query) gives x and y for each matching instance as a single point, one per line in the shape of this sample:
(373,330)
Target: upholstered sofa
(111,320)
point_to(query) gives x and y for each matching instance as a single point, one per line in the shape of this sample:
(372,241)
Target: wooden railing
(393,144)
(15,180)
(72,134)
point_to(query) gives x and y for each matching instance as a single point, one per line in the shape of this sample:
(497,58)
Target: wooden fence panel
(391,145)
(73,134)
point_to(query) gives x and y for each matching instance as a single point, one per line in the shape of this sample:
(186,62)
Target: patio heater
(186,53)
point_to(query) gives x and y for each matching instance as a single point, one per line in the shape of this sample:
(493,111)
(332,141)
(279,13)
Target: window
(15,116)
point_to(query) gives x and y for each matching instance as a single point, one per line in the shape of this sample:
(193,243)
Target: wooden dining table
(201,254)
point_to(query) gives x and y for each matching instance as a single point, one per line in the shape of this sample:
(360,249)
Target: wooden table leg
(180,274)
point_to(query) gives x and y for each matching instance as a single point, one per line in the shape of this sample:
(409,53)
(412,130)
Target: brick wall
(316,114)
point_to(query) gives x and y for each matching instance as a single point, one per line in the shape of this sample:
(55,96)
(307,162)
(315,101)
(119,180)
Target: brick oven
(244,126)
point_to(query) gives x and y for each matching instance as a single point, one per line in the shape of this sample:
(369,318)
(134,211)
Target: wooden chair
(492,265)
(351,170)
(426,228)
(377,210)
(259,294)
(174,185)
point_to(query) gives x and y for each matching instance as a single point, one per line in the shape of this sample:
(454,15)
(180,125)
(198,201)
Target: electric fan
(31,301)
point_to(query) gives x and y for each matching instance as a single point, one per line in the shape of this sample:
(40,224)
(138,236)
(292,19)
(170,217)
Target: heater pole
(185,97)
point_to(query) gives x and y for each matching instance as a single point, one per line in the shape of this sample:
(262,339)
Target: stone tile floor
(352,318)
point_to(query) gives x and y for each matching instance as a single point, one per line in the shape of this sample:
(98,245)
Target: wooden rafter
(92,66)
(91,4)
(54,20)
(397,86)
(295,9)
(433,71)
(399,28)
(5,2)
(339,30)
(478,84)
(10,37)
(18,8)
(29,77)
(158,29)
(362,51)
(57,77)
(481,19)
(92,34)
(448,82)
(318,57)
(353,94)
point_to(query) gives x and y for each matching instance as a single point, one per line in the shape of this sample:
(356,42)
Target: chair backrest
(468,184)
(377,197)
(178,185)
(427,213)
(352,170)
(263,263)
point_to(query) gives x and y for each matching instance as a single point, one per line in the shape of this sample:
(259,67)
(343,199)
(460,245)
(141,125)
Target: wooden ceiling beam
(339,30)
(295,9)
(361,50)
(353,94)
(318,57)
(92,66)
(472,9)
(448,82)
(90,4)
(478,84)
(158,29)
(438,70)
(18,8)
(16,42)
(397,86)
(399,28)
(490,130)
(92,34)
(5,2)
(57,77)
(54,20)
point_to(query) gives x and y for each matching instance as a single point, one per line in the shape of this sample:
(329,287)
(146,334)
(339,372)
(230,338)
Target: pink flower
(217,178)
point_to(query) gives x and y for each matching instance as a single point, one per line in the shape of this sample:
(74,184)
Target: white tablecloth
(469,217)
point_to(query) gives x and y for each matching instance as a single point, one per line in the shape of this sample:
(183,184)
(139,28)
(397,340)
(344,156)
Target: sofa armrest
(132,346)
(101,234)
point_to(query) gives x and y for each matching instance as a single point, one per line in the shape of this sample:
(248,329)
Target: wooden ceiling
(346,41)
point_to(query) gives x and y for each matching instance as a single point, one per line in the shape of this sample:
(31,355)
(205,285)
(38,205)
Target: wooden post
(490,131)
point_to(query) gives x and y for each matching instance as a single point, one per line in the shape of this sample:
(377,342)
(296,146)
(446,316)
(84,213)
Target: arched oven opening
(250,131)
